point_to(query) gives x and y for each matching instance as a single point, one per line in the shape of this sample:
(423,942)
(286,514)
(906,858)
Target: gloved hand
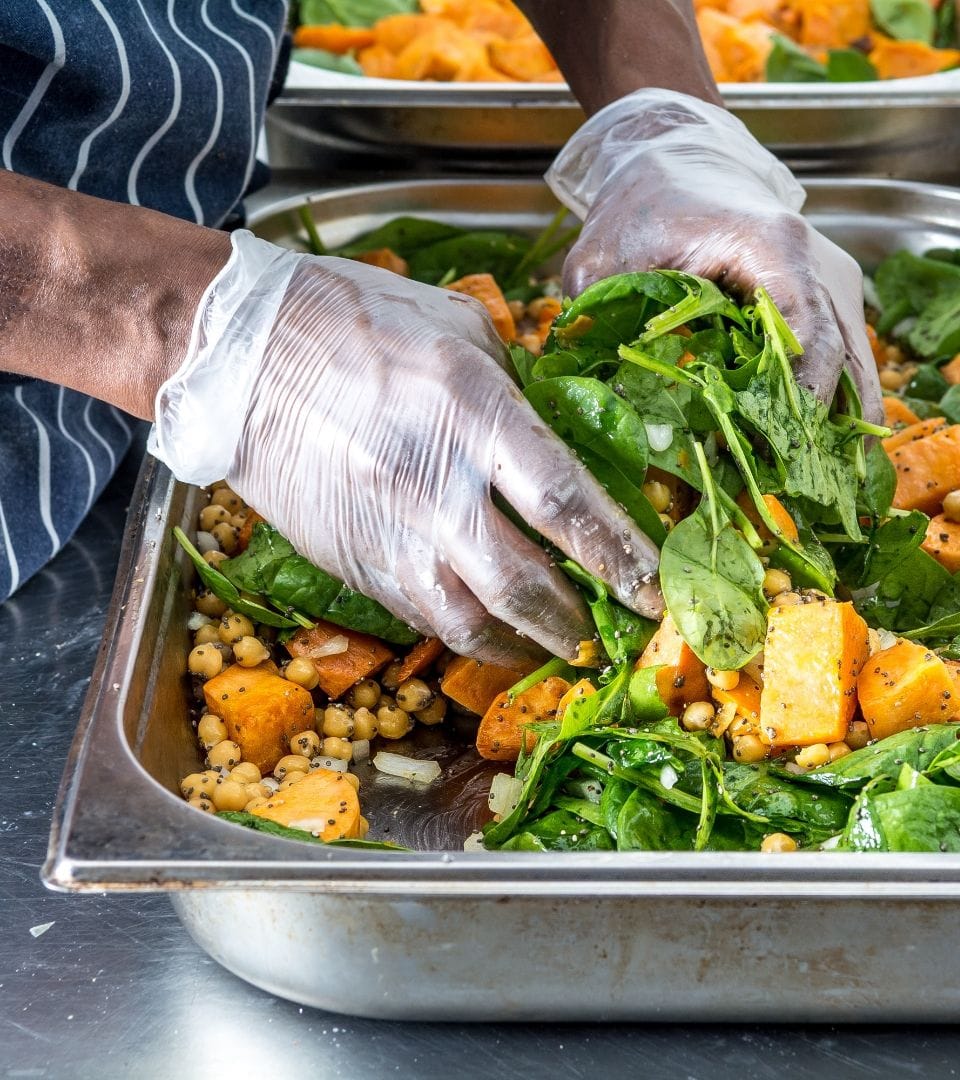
(369,418)
(665,180)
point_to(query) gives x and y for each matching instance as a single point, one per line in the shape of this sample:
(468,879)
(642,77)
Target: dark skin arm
(613,47)
(98,296)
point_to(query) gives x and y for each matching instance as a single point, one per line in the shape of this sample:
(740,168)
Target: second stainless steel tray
(906,129)
(443,934)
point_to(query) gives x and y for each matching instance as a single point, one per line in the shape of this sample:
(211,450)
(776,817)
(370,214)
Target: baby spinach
(352,12)
(272,828)
(921,818)
(905,20)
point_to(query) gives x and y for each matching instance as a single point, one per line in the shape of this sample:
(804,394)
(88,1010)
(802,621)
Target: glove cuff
(200,410)
(661,121)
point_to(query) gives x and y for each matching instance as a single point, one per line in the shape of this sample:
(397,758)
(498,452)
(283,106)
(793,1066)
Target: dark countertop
(114,987)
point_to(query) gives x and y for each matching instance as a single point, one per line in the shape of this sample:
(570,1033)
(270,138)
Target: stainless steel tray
(444,934)
(907,128)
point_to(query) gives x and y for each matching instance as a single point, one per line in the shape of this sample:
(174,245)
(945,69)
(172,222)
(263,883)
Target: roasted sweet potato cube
(339,671)
(260,709)
(473,684)
(482,287)
(897,414)
(813,654)
(905,686)
(324,803)
(503,728)
(943,542)
(928,468)
(682,677)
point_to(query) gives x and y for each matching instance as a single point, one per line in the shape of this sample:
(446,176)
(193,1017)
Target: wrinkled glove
(370,418)
(665,180)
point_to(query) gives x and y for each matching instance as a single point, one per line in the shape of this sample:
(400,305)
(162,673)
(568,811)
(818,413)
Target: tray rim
(272,863)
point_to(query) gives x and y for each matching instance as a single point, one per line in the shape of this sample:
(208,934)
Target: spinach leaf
(879,485)
(936,333)
(224,589)
(905,20)
(329,61)
(701,298)
(403,235)
(787,62)
(644,823)
(907,283)
(523,363)
(921,818)
(849,65)
(480,252)
(560,830)
(352,12)
(259,824)
(917,747)
(946,35)
(927,383)
(806,813)
(950,404)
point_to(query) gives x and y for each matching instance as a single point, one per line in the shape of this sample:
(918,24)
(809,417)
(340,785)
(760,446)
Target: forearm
(98,296)
(610,48)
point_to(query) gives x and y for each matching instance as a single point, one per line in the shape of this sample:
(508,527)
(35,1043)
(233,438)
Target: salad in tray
(744,40)
(802,690)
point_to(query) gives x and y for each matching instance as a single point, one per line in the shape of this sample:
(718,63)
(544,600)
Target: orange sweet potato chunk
(484,288)
(896,413)
(338,672)
(525,59)
(745,697)
(943,542)
(385,259)
(260,709)
(908,59)
(473,684)
(419,658)
(682,678)
(323,802)
(903,687)
(951,370)
(928,468)
(919,429)
(813,654)
(777,511)
(503,728)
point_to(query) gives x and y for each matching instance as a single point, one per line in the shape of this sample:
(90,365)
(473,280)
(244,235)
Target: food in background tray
(745,40)
(803,688)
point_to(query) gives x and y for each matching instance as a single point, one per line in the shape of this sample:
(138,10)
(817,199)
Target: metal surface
(486,935)
(907,128)
(114,988)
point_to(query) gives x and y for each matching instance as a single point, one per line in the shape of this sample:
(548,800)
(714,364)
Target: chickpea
(246,773)
(776,582)
(207,634)
(291,763)
(433,713)
(517,309)
(250,651)
(197,784)
(254,803)
(211,516)
(748,749)
(659,495)
(205,661)
(225,755)
(302,671)
(390,679)
(229,500)
(698,716)
(723,680)
(892,377)
(338,721)
(812,756)
(215,558)
(838,750)
(208,604)
(666,521)
(200,802)
(392,722)
(364,724)
(211,730)
(227,536)
(858,734)
(951,506)
(337,748)
(778,842)
(234,627)
(256,791)
(787,599)
(365,694)
(413,695)
(306,744)
(229,795)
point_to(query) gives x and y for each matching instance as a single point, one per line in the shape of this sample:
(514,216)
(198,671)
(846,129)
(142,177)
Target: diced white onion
(668,776)
(504,794)
(333,764)
(659,436)
(904,326)
(197,619)
(887,639)
(271,782)
(870,294)
(865,594)
(206,542)
(474,842)
(830,843)
(361,749)
(333,647)
(423,772)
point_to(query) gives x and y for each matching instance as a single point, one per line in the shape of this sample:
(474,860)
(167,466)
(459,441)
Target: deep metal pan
(906,128)
(444,934)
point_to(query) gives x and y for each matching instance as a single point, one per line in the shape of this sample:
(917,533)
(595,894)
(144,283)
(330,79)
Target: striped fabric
(152,102)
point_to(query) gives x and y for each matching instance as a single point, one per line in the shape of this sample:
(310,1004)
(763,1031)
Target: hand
(370,418)
(667,181)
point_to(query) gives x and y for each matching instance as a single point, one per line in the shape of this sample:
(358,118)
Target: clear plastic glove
(370,419)
(666,180)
